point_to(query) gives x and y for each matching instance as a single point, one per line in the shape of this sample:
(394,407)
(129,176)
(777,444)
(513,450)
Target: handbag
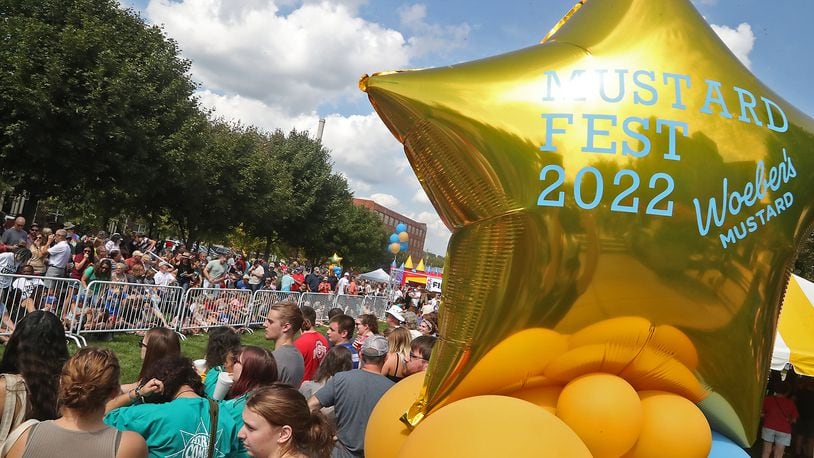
(213,427)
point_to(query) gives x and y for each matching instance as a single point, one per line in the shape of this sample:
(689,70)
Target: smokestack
(320,129)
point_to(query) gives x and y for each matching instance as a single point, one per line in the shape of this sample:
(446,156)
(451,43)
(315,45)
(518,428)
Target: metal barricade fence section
(376,305)
(204,308)
(351,305)
(265,298)
(108,306)
(23,294)
(320,302)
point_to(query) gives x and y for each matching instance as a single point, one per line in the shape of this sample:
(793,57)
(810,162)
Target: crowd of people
(132,274)
(309,397)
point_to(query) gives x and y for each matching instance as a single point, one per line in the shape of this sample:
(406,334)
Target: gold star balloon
(624,197)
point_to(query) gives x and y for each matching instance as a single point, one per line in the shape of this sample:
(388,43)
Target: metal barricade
(22,294)
(351,304)
(205,308)
(109,306)
(262,299)
(320,302)
(377,305)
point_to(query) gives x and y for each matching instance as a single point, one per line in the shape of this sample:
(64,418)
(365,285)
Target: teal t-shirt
(211,380)
(178,429)
(234,408)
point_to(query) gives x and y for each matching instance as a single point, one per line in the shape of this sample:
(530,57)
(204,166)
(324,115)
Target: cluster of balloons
(334,265)
(399,240)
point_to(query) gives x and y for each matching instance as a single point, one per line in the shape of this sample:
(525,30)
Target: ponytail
(318,438)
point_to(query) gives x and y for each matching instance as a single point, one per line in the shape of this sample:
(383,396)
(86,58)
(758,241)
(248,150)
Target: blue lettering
(552,78)
(654,95)
(592,132)
(742,93)
(771,125)
(678,79)
(714,96)
(703,226)
(550,130)
(620,92)
(672,125)
(728,239)
(627,150)
(750,222)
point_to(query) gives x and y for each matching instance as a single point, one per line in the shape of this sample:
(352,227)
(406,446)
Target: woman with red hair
(253,368)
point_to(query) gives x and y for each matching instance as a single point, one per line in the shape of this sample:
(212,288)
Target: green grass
(127,349)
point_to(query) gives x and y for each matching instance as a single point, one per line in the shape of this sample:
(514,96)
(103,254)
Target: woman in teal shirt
(221,349)
(254,367)
(175,416)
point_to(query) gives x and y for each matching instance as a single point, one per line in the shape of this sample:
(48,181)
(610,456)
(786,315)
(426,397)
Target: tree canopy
(98,113)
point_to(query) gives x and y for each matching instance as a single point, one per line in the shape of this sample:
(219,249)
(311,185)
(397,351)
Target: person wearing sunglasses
(420,350)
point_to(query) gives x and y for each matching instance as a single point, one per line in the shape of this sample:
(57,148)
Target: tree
(362,238)
(90,98)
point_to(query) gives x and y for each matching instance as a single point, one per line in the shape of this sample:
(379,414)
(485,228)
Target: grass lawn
(127,349)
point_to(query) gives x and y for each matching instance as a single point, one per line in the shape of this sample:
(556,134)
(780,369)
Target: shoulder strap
(14,396)
(14,435)
(213,427)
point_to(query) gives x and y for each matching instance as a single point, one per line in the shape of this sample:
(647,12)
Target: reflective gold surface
(488,140)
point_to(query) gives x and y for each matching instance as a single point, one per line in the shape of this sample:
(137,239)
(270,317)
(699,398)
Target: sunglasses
(141,344)
(412,356)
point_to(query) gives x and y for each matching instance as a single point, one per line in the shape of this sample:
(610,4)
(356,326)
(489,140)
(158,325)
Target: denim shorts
(776,437)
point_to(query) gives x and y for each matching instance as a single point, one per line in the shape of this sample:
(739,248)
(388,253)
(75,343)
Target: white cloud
(421,197)
(388,200)
(740,40)
(283,64)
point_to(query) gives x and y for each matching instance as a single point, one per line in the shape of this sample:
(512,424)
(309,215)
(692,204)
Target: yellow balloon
(655,370)
(673,427)
(511,362)
(492,426)
(385,433)
(604,410)
(607,358)
(403,236)
(542,396)
(395,248)
(628,167)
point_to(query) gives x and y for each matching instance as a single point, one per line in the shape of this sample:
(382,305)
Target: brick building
(390,218)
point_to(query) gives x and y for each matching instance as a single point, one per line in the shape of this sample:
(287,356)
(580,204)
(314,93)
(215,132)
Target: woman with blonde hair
(89,379)
(395,365)
(278,423)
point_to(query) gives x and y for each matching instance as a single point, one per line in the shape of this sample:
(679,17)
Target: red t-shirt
(313,346)
(778,413)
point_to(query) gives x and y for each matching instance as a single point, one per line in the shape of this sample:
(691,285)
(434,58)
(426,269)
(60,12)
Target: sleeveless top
(46,439)
(395,378)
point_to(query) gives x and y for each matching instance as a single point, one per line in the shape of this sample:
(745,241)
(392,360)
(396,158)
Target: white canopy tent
(378,275)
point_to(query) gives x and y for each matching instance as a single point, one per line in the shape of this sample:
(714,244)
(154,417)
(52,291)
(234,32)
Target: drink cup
(200,366)
(222,386)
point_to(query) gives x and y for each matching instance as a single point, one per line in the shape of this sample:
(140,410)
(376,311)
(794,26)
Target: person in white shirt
(342,285)
(164,277)
(25,288)
(59,254)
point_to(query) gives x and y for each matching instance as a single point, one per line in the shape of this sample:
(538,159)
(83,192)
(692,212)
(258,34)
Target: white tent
(378,275)
(794,342)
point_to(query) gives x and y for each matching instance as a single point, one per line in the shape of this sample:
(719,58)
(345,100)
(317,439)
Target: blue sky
(286,63)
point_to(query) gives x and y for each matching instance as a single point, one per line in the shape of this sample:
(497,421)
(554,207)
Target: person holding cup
(221,348)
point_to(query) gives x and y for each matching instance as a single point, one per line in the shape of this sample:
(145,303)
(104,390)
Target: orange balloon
(672,340)
(395,248)
(511,362)
(607,358)
(655,370)
(605,411)
(541,396)
(403,236)
(385,432)
(673,427)
(632,331)
(492,426)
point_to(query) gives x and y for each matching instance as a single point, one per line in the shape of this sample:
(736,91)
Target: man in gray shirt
(15,234)
(354,394)
(283,322)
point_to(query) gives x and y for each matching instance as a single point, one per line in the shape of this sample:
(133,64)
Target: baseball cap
(374,346)
(395,310)
(137,253)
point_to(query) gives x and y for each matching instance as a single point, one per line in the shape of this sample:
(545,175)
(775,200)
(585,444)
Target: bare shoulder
(132,446)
